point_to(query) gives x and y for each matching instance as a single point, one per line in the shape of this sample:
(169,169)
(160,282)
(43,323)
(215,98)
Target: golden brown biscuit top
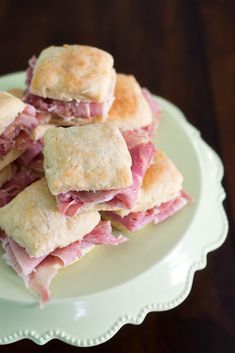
(89,157)
(74,72)
(130,109)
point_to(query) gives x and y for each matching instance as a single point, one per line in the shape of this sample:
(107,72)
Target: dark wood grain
(220,56)
(185,51)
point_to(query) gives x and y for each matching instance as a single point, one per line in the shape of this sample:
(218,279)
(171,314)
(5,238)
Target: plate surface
(92,299)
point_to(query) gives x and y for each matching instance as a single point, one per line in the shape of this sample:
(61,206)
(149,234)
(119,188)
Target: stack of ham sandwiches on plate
(77,148)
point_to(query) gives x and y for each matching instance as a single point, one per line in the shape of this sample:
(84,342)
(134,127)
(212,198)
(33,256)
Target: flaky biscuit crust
(130,109)
(33,221)
(74,72)
(89,157)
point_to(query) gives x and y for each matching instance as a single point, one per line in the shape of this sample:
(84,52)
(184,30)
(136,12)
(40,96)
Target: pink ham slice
(102,234)
(40,279)
(9,256)
(37,164)
(26,263)
(24,122)
(69,206)
(156,110)
(142,152)
(151,128)
(24,174)
(137,220)
(31,153)
(22,178)
(17,134)
(69,254)
(39,272)
(23,141)
(67,110)
(153,103)
(32,158)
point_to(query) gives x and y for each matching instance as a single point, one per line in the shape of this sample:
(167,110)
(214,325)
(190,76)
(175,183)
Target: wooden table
(184,51)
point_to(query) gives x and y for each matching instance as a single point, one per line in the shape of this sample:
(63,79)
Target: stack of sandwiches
(77,157)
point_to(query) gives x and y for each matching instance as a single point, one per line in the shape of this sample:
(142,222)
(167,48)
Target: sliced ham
(33,158)
(69,207)
(25,171)
(153,103)
(40,280)
(37,164)
(142,152)
(33,151)
(25,122)
(69,253)
(137,220)
(9,256)
(156,110)
(20,180)
(18,133)
(102,234)
(26,263)
(151,128)
(67,110)
(135,138)
(29,71)
(23,141)
(142,156)
(39,272)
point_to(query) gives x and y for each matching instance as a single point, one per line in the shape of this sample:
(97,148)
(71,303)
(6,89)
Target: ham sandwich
(73,82)
(38,240)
